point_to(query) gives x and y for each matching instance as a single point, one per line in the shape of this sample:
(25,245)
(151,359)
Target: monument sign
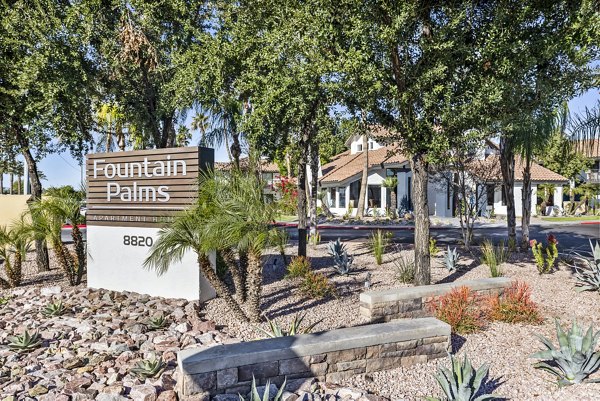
(131,195)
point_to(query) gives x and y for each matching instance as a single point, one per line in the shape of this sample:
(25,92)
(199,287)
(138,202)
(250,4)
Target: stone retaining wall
(398,303)
(330,356)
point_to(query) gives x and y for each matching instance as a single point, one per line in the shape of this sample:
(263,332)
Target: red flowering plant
(288,195)
(545,256)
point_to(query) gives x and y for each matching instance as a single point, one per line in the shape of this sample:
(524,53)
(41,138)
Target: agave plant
(255,396)
(451,259)
(148,368)
(462,383)
(342,261)
(275,330)
(588,276)
(156,323)
(54,309)
(575,358)
(24,342)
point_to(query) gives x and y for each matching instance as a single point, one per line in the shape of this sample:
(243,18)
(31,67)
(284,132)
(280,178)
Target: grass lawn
(573,218)
(286,218)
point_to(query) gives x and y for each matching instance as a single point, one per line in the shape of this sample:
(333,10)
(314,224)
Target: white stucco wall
(114,266)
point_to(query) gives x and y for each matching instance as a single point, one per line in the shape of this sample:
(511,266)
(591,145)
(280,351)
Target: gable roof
(345,165)
(538,172)
(266,166)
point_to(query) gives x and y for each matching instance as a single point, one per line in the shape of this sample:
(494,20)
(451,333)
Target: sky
(62,169)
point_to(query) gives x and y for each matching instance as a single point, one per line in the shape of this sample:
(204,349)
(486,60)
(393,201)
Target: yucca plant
(405,267)
(342,261)
(281,238)
(295,327)
(494,256)
(575,359)
(255,396)
(463,382)
(24,342)
(451,259)
(14,244)
(54,309)
(156,323)
(378,242)
(588,275)
(148,368)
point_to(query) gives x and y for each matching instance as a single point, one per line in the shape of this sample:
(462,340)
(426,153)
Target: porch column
(534,200)
(383,198)
(558,196)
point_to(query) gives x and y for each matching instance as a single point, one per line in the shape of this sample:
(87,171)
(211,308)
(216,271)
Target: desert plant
(156,323)
(405,268)
(588,275)
(4,301)
(317,286)
(575,359)
(378,242)
(54,309)
(281,238)
(514,305)
(391,182)
(24,342)
(341,260)
(148,368)
(460,309)
(298,267)
(545,256)
(451,259)
(255,396)
(462,382)
(494,256)
(433,248)
(314,239)
(14,244)
(295,327)
(48,216)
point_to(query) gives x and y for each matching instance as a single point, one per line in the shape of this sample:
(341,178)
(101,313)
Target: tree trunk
(220,287)
(314,185)
(11,178)
(301,197)
(394,202)
(288,163)
(360,212)
(507,165)
(41,249)
(254,285)
(19,184)
(80,252)
(236,150)
(238,281)
(526,205)
(1,183)
(419,169)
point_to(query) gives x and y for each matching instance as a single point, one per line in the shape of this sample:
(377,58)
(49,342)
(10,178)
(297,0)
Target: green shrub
(494,256)
(545,257)
(298,267)
(405,268)
(317,286)
(433,248)
(378,242)
(575,359)
(462,383)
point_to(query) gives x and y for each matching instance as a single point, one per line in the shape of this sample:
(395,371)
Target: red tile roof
(346,165)
(266,167)
(538,172)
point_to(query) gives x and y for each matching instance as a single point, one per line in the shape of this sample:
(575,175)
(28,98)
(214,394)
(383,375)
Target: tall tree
(142,47)
(47,87)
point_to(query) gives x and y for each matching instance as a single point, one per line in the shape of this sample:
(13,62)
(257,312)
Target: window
(370,145)
(374,196)
(267,177)
(331,197)
(359,147)
(390,172)
(342,197)
(448,196)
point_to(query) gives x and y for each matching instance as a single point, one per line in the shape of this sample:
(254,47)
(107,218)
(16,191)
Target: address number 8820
(137,240)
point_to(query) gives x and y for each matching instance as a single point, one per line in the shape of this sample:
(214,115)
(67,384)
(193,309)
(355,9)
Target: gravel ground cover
(505,347)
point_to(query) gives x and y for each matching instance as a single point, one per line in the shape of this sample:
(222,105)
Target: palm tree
(392,183)
(49,215)
(110,120)
(225,120)
(14,244)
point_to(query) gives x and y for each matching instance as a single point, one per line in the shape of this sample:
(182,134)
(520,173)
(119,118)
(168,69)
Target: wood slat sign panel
(142,188)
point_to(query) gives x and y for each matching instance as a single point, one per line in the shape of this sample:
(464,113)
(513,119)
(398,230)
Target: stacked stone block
(331,356)
(415,302)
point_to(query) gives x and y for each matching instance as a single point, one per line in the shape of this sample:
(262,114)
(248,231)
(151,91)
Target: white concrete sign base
(115,262)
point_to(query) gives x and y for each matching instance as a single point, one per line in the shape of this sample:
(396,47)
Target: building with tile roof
(341,179)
